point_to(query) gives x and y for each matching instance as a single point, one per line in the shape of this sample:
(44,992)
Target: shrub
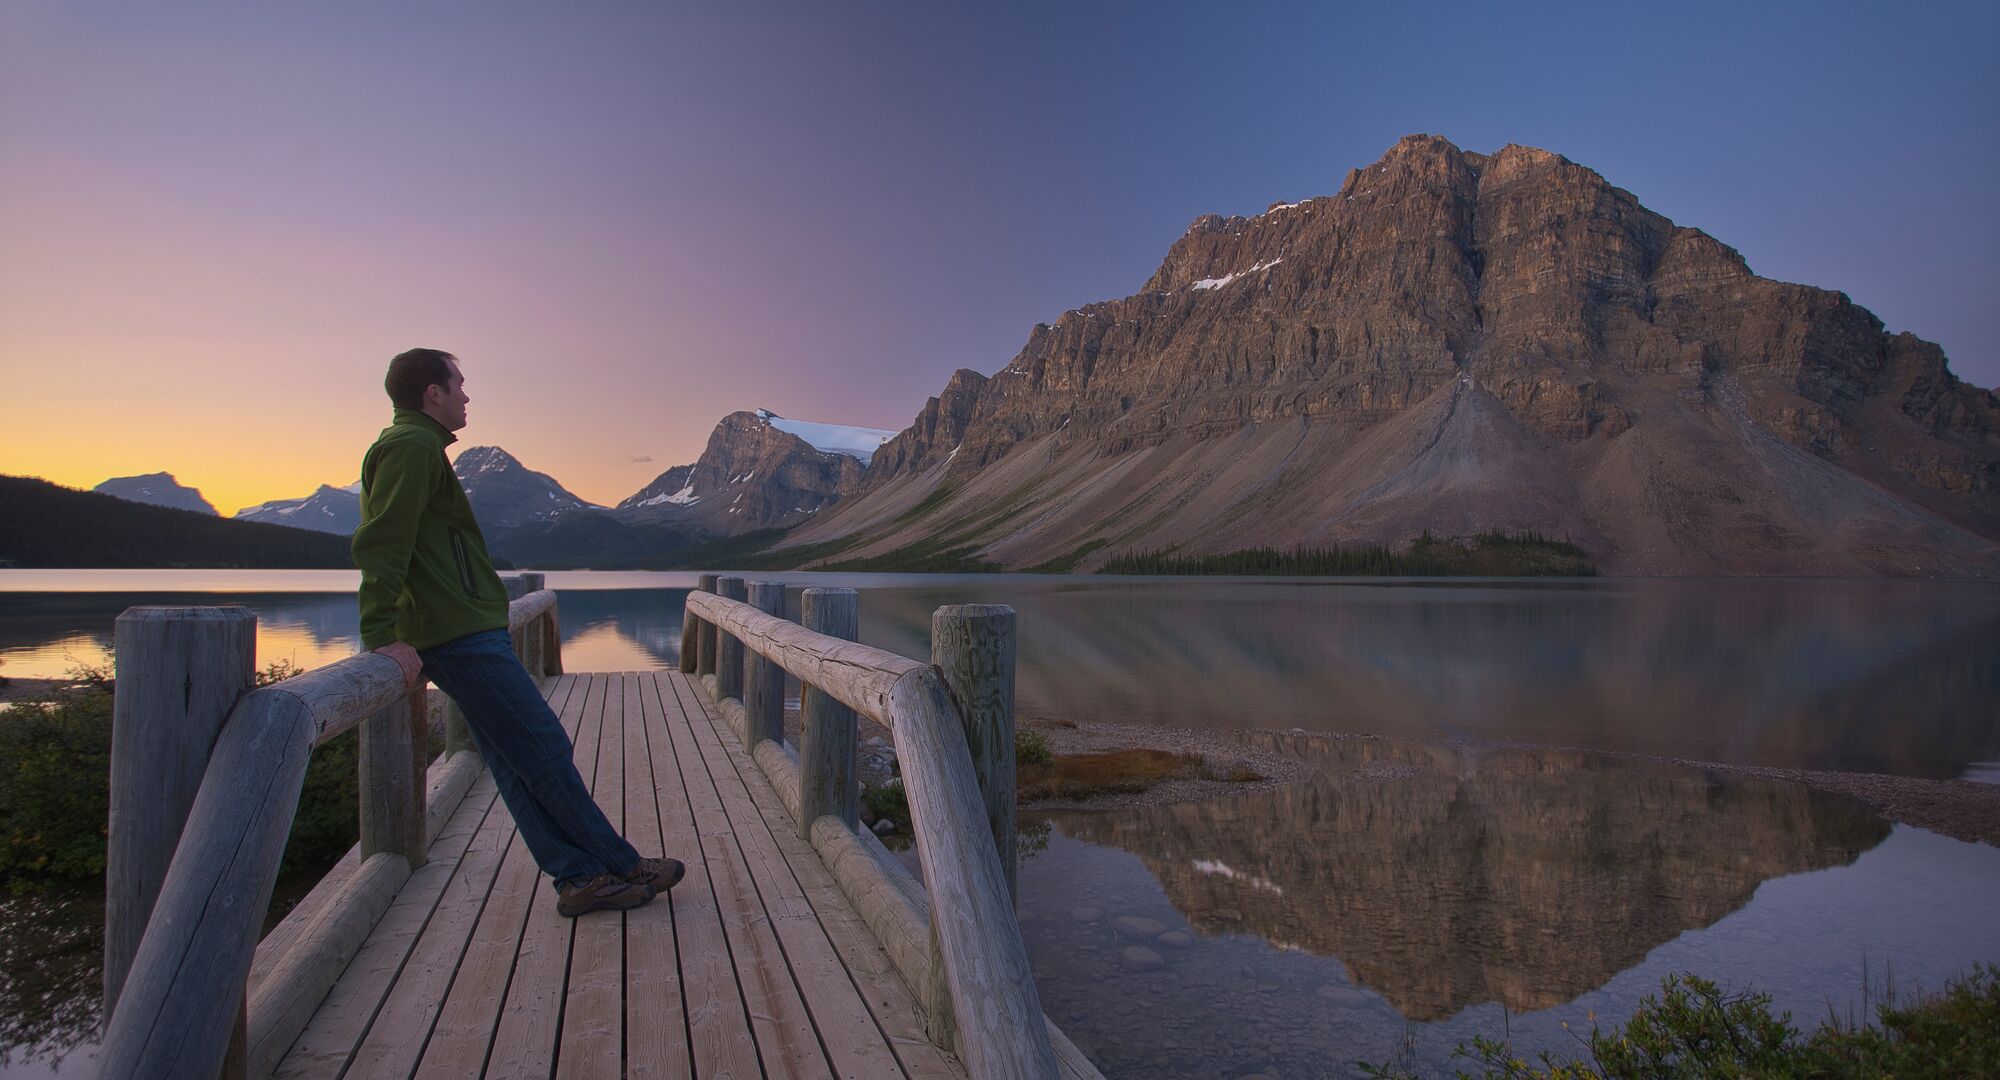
(55,788)
(1031,747)
(887,800)
(1694,1030)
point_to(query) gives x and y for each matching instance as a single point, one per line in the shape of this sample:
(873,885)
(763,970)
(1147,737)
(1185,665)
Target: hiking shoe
(661,874)
(605,892)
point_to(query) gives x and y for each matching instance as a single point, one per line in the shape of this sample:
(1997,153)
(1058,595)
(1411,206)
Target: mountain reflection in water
(1445,878)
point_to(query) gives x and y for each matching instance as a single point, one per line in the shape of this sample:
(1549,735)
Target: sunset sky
(219,221)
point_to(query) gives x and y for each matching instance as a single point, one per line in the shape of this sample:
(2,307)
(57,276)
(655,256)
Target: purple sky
(216,225)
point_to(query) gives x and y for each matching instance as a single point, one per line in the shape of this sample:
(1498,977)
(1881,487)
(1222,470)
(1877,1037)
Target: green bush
(1031,747)
(55,789)
(1695,1031)
(887,800)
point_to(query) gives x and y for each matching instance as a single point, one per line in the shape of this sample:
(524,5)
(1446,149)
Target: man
(431,602)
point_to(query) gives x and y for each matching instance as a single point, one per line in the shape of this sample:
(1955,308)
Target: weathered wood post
(531,635)
(394,753)
(179,672)
(763,680)
(457,736)
(551,644)
(705,633)
(728,650)
(973,645)
(690,637)
(826,751)
(516,589)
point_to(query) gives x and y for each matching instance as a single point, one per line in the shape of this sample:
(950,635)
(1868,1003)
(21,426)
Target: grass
(921,558)
(1063,564)
(1042,774)
(1487,554)
(930,502)
(1116,772)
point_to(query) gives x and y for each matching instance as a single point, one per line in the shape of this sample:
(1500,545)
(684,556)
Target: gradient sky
(217,223)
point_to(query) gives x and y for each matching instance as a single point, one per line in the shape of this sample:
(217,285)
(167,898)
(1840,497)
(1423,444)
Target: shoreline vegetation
(1488,554)
(1695,1030)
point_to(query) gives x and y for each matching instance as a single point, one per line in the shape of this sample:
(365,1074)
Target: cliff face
(1445,878)
(752,475)
(1457,341)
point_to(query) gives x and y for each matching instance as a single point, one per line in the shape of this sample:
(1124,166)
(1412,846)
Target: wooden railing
(954,938)
(206,776)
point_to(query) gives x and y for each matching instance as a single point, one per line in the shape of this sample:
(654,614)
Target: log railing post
(705,633)
(179,672)
(552,664)
(729,650)
(973,646)
(531,637)
(393,761)
(763,680)
(826,751)
(457,736)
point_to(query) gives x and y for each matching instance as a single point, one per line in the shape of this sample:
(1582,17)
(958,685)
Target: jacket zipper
(464,564)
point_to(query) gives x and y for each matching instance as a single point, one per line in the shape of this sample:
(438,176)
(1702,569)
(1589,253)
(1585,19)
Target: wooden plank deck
(754,965)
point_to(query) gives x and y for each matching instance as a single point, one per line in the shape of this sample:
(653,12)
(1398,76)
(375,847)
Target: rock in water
(1138,928)
(1140,958)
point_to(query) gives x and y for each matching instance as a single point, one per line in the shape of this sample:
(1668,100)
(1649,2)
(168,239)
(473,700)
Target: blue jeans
(530,757)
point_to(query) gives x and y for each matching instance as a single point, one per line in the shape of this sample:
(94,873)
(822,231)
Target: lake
(1472,871)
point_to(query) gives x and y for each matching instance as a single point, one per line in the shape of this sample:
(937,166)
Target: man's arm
(392,504)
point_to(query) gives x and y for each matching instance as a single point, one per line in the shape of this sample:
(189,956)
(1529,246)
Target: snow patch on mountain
(859,443)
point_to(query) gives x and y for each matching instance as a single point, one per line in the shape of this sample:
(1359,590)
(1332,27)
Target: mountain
(759,471)
(156,489)
(329,509)
(505,493)
(1453,342)
(43,525)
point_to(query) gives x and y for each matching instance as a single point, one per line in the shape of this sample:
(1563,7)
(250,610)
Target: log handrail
(996,1010)
(182,994)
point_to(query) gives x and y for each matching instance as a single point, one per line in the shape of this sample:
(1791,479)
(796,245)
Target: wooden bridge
(796,946)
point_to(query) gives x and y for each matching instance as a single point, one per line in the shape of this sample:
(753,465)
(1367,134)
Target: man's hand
(407,659)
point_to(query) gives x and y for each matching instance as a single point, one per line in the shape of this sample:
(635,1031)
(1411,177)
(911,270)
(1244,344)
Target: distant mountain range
(1452,343)
(760,472)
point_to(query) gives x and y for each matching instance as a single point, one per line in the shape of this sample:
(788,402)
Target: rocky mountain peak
(505,493)
(157,489)
(1616,361)
(758,471)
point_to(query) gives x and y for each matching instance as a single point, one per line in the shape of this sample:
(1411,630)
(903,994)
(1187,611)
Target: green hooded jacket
(425,576)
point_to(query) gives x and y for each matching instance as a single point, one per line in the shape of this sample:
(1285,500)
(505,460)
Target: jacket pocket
(464,561)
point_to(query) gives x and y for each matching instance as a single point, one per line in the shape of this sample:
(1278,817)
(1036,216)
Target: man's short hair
(413,372)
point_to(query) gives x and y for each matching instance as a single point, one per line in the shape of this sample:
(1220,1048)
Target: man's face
(446,404)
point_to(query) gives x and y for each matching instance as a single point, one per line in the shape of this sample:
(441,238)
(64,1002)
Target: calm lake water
(1475,873)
